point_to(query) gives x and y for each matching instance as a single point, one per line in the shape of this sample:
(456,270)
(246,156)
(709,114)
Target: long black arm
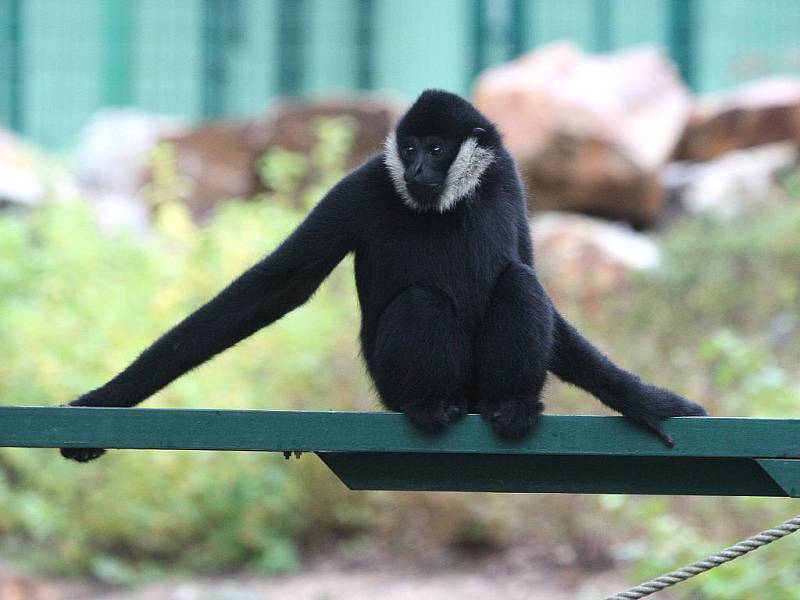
(264,293)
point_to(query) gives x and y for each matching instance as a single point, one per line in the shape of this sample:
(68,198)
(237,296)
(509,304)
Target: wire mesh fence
(60,61)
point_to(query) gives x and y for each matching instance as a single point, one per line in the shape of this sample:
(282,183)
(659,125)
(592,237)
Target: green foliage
(791,183)
(166,185)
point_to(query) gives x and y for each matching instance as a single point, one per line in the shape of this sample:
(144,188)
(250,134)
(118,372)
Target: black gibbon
(454,319)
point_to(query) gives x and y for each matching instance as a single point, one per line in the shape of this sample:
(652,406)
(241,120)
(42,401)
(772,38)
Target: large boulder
(583,260)
(114,149)
(292,126)
(760,112)
(219,159)
(28,176)
(734,183)
(216,164)
(590,132)
(112,162)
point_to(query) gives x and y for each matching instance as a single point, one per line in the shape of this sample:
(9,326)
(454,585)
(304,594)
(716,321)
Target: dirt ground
(338,585)
(332,582)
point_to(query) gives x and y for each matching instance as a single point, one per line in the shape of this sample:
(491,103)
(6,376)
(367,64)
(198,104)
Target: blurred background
(150,151)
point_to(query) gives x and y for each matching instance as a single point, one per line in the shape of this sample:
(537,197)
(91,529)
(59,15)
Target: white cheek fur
(463,176)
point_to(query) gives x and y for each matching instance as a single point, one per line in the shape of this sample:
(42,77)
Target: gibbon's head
(439,150)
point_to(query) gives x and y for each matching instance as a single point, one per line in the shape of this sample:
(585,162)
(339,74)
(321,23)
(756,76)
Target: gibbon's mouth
(424,188)
(423,184)
(426,194)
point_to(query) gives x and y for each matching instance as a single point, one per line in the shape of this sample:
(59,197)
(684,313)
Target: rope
(710,562)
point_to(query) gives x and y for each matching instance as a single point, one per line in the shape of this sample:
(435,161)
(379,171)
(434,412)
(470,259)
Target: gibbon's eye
(436,150)
(409,150)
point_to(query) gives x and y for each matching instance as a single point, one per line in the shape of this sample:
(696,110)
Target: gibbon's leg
(513,345)
(421,358)
(576,361)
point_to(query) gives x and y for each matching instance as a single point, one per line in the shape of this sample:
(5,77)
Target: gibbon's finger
(663,435)
(82,454)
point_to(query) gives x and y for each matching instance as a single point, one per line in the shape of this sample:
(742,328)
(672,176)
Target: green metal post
(12,53)
(682,26)
(602,25)
(290,46)
(214,58)
(365,46)
(479,31)
(518,30)
(118,51)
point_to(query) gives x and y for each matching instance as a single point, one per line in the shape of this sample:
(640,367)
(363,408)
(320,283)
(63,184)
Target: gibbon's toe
(455,411)
(434,416)
(515,418)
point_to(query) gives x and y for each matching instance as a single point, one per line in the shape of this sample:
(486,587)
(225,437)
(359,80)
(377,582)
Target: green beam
(564,474)
(277,431)
(712,456)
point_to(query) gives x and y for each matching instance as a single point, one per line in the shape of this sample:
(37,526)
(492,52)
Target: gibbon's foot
(513,418)
(82,454)
(432,417)
(658,404)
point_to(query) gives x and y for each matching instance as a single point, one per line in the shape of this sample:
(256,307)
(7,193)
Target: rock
(220,159)
(733,183)
(583,259)
(217,164)
(112,161)
(760,112)
(291,126)
(28,176)
(113,150)
(590,132)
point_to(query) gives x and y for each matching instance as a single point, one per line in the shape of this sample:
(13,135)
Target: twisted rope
(710,562)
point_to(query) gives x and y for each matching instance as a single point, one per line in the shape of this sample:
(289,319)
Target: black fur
(454,319)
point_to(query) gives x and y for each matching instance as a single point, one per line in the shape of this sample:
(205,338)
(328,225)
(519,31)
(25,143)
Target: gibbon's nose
(413,172)
(417,180)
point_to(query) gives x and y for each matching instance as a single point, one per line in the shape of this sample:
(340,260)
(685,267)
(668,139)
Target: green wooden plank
(558,474)
(211,429)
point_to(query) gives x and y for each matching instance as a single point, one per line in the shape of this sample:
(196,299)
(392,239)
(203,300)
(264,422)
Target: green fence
(61,60)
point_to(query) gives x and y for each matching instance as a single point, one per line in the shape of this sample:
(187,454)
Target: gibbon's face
(440,150)
(432,173)
(427,161)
